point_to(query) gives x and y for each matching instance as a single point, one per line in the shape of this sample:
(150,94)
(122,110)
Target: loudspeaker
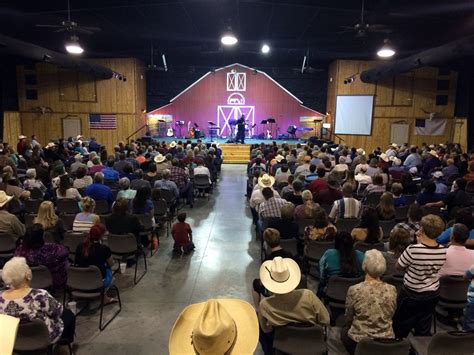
(291,129)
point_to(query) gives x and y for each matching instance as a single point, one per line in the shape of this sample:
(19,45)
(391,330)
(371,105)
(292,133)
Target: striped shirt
(84,221)
(422,264)
(351,209)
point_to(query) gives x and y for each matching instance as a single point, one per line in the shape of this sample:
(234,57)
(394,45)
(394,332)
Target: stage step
(236,153)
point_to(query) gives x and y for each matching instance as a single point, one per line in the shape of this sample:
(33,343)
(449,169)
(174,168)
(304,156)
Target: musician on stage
(240,130)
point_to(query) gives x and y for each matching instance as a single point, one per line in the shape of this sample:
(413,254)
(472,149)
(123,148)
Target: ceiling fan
(71,26)
(362,28)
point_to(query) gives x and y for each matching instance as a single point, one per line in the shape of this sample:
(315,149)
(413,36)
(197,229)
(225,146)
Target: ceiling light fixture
(265,49)
(228,39)
(386,51)
(73,46)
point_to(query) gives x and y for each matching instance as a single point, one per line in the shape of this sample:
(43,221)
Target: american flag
(102,121)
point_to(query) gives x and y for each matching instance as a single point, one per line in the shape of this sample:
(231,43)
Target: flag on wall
(102,121)
(434,127)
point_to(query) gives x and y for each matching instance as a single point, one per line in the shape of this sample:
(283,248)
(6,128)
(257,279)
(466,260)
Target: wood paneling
(77,94)
(11,127)
(403,97)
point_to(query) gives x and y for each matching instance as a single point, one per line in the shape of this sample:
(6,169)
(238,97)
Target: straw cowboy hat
(433,153)
(4,198)
(173,144)
(280,275)
(9,327)
(394,145)
(21,136)
(50,145)
(384,157)
(79,136)
(360,151)
(279,158)
(223,326)
(266,180)
(160,158)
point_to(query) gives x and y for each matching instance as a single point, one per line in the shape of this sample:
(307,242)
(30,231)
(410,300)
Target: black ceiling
(188,31)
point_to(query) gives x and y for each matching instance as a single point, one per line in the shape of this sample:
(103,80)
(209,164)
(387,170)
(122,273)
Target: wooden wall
(401,98)
(68,93)
(11,127)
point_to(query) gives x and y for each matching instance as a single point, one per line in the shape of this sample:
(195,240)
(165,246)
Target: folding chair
(395,280)
(7,247)
(33,337)
(31,206)
(383,346)
(85,283)
(302,224)
(124,247)
(68,206)
(336,293)
(401,213)
(162,214)
(300,339)
(147,223)
(387,227)
(442,343)
(313,251)
(290,245)
(102,207)
(372,199)
(68,220)
(41,277)
(346,224)
(201,183)
(72,240)
(29,219)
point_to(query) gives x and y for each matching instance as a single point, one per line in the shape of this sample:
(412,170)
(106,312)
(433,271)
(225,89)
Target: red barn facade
(223,95)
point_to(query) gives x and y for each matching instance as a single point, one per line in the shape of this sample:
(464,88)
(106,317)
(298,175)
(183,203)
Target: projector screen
(354,114)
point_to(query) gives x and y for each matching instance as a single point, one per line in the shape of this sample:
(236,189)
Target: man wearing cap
(288,305)
(257,197)
(77,164)
(441,188)
(9,223)
(392,150)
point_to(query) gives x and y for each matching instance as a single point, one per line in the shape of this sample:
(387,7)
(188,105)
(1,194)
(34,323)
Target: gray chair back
(68,220)
(36,194)
(102,207)
(401,213)
(72,240)
(303,223)
(122,244)
(168,196)
(314,249)
(41,277)
(31,205)
(160,207)
(452,291)
(145,220)
(346,224)
(363,247)
(7,246)
(383,346)
(201,181)
(66,205)
(455,342)
(300,339)
(387,227)
(32,336)
(84,278)
(372,199)
(290,245)
(338,286)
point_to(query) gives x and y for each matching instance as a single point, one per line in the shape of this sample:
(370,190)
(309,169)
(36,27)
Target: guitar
(269,134)
(170,132)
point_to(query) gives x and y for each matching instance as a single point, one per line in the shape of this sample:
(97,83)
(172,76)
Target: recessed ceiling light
(265,48)
(73,46)
(229,39)
(386,51)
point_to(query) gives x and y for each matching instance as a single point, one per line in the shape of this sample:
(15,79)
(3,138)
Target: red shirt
(181,232)
(317,185)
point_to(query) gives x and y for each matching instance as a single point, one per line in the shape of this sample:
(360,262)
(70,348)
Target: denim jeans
(469,318)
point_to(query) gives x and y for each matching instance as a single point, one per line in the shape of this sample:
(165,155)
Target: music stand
(271,121)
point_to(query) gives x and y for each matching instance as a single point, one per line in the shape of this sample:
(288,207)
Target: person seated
(271,207)
(182,235)
(287,305)
(282,175)
(142,204)
(139,180)
(343,261)
(121,222)
(9,223)
(370,305)
(331,194)
(342,166)
(305,211)
(92,252)
(263,181)
(11,185)
(468,325)
(295,196)
(322,229)
(65,189)
(428,194)
(457,198)
(419,295)
(396,170)
(458,257)
(399,240)
(386,208)
(152,176)
(362,178)
(166,184)
(31,182)
(286,225)
(450,168)
(368,230)
(470,174)
(360,163)
(311,175)
(98,191)
(82,180)
(127,172)
(377,185)
(109,173)
(463,216)
(200,169)
(29,304)
(347,206)
(77,164)
(373,168)
(398,198)
(179,176)
(50,222)
(125,190)
(289,187)
(96,166)
(441,187)
(316,186)
(37,252)
(87,218)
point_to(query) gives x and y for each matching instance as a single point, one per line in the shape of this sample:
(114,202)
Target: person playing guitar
(241,130)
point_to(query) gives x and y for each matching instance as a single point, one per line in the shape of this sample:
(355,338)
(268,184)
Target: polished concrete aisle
(225,262)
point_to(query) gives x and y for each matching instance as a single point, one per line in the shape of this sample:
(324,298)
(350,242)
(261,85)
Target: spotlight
(73,46)
(349,80)
(265,48)
(386,51)
(124,78)
(228,39)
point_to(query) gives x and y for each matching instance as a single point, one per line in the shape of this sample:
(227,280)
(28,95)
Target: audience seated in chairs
(125,191)
(458,257)
(87,218)
(166,184)
(65,189)
(295,196)
(428,195)
(398,198)
(322,229)
(385,208)
(415,213)
(32,182)
(330,194)
(82,180)
(287,305)
(305,210)
(368,230)
(399,240)
(9,223)
(50,221)
(463,216)
(99,191)
(370,305)
(457,198)
(347,206)
(343,261)
(28,304)
(286,225)
(121,222)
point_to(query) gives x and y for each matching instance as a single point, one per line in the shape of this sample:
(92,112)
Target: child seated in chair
(182,235)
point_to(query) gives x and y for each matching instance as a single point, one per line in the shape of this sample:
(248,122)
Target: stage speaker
(291,129)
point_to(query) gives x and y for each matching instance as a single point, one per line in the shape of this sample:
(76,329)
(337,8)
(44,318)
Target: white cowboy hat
(431,146)
(397,162)
(79,136)
(394,145)
(384,157)
(173,144)
(438,174)
(217,326)
(160,158)
(266,180)
(78,156)
(21,136)
(279,158)
(433,153)
(360,151)
(413,170)
(280,275)
(50,145)
(4,198)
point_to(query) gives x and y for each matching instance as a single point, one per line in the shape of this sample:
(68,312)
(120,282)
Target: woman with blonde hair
(386,208)
(305,211)
(50,221)
(87,218)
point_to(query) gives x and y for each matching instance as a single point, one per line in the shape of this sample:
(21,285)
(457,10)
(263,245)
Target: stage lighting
(265,49)
(386,51)
(228,39)
(349,80)
(73,46)
(291,129)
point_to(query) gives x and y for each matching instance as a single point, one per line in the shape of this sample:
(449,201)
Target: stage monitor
(354,114)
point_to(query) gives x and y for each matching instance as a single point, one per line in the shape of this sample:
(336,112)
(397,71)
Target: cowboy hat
(4,198)
(280,275)
(397,162)
(79,136)
(433,153)
(9,326)
(438,174)
(160,158)
(217,326)
(50,145)
(21,136)
(394,145)
(172,144)
(413,170)
(360,151)
(266,180)
(279,158)
(431,146)
(78,156)
(384,157)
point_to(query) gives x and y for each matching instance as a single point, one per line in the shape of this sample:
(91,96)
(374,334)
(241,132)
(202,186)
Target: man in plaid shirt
(179,177)
(415,213)
(271,207)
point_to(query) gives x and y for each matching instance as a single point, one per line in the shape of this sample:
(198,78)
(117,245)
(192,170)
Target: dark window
(444,71)
(31,94)
(30,79)
(442,85)
(441,100)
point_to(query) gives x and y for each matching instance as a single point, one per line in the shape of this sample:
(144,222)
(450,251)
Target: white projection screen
(354,114)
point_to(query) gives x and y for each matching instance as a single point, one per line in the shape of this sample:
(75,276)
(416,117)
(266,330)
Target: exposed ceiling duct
(434,56)
(12,46)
